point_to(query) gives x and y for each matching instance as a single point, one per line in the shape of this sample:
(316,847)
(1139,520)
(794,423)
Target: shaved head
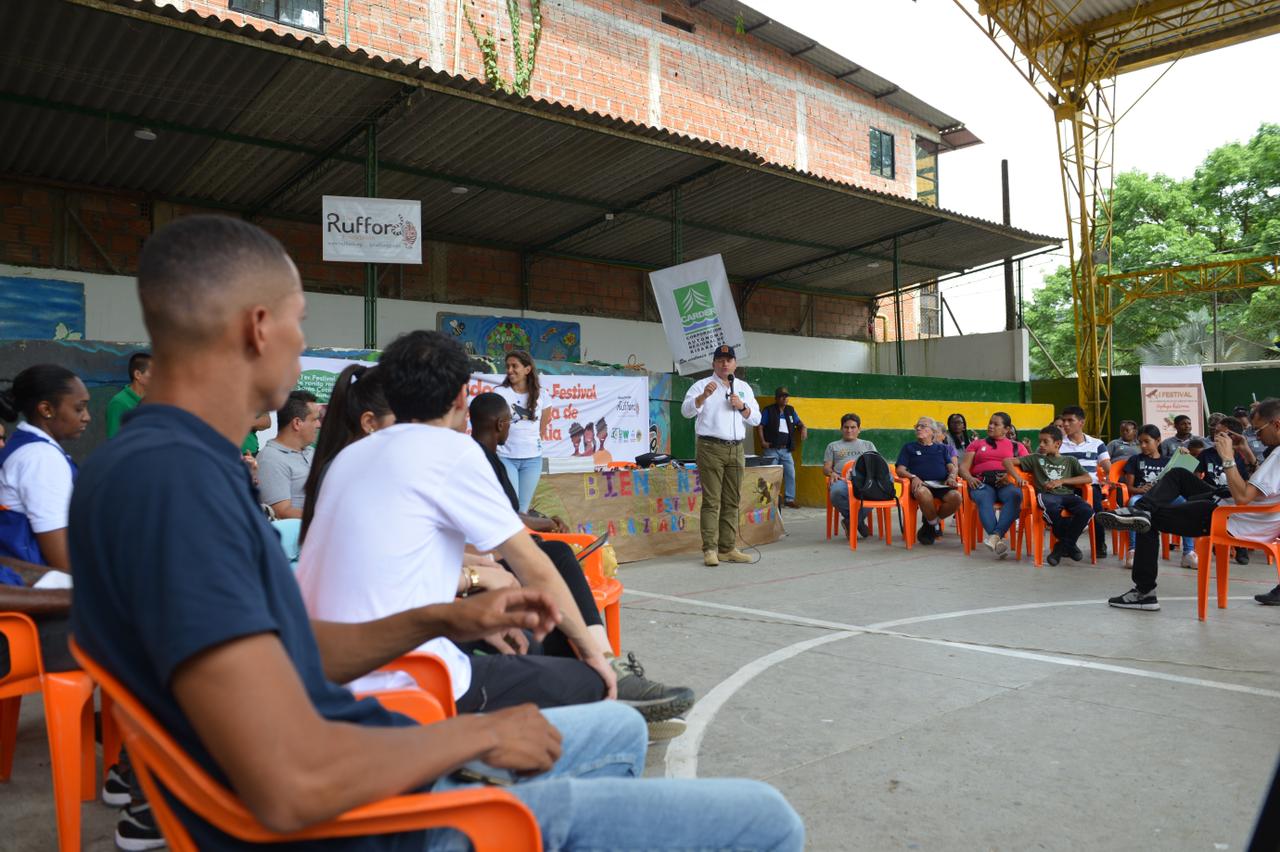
(199,272)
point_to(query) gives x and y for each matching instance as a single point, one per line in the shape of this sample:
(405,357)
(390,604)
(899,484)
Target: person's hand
(712,387)
(736,403)
(606,672)
(478,616)
(1053,484)
(1222,442)
(251,463)
(973,481)
(493,577)
(952,480)
(524,741)
(560,525)
(508,642)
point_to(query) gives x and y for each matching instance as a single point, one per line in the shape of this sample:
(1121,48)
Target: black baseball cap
(781,391)
(724,351)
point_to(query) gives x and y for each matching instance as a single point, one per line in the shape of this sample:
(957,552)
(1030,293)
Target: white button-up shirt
(717,418)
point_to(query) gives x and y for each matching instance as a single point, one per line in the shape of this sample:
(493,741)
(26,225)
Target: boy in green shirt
(1053,475)
(131,394)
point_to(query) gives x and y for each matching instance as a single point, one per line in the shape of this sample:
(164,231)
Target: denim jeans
(986,497)
(524,475)
(783,457)
(839,494)
(595,799)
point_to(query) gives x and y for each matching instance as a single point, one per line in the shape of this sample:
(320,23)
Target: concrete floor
(990,705)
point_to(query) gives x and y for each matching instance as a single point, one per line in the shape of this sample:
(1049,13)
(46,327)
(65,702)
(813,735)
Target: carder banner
(698,313)
(604,418)
(371,230)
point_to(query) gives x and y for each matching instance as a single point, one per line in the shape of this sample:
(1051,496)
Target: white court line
(682,752)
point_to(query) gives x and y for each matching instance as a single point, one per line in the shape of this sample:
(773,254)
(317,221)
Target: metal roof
(951,131)
(265,124)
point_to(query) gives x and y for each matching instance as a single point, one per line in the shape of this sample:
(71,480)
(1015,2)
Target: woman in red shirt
(983,469)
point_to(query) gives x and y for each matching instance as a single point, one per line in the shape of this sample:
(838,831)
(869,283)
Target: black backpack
(872,479)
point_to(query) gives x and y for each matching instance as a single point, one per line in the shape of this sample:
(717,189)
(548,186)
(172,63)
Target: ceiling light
(875,264)
(146,134)
(459,190)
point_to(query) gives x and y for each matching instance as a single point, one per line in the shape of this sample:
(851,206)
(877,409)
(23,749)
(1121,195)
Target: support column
(1010,311)
(677,228)
(370,269)
(897,309)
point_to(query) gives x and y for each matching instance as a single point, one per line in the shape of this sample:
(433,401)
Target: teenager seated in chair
(1055,478)
(1127,444)
(1161,511)
(1140,474)
(1093,457)
(982,468)
(185,596)
(834,458)
(931,474)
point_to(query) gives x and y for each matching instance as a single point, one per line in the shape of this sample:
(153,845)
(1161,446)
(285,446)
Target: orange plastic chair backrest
(623,465)
(593,565)
(430,673)
(1117,470)
(24,650)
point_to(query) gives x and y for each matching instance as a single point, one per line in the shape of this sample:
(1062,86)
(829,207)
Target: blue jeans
(1188,544)
(595,799)
(524,475)
(986,497)
(839,494)
(783,457)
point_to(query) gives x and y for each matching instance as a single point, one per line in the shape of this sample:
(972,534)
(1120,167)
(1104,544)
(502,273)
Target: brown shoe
(710,559)
(734,555)
(791,504)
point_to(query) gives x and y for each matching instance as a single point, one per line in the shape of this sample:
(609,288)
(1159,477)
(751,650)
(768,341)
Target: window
(930,310)
(304,14)
(881,153)
(926,172)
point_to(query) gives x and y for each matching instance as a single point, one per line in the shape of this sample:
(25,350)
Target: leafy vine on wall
(524,57)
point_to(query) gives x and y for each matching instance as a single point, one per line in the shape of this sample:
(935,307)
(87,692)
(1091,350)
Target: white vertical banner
(698,312)
(1168,392)
(371,230)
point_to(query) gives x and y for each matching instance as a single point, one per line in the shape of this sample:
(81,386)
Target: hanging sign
(698,313)
(371,230)
(1168,392)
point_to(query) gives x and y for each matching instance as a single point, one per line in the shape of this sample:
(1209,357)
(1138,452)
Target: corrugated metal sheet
(240,113)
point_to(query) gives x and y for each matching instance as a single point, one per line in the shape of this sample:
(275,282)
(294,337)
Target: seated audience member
(1244,413)
(983,469)
(223,304)
(1210,463)
(1127,444)
(1093,457)
(285,462)
(131,394)
(1140,473)
(250,445)
(958,435)
(1181,438)
(778,431)
(36,473)
(1196,446)
(1160,511)
(834,458)
(1058,421)
(490,425)
(932,474)
(1053,475)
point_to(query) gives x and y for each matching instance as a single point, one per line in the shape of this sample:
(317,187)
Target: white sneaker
(990,540)
(1001,548)
(1189,559)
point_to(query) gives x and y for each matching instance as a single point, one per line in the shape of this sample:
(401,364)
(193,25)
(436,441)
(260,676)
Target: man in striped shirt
(1093,457)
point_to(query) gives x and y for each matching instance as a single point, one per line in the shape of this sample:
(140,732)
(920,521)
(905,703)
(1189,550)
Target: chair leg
(613,626)
(1224,568)
(110,735)
(886,522)
(9,711)
(1093,543)
(1203,555)
(66,694)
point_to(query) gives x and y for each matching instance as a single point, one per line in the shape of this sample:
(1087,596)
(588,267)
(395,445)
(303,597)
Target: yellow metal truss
(1070,51)
(1125,289)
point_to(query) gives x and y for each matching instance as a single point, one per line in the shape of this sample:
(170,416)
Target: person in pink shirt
(983,469)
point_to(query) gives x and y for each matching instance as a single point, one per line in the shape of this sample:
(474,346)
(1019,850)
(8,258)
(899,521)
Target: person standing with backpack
(983,469)
(723,411)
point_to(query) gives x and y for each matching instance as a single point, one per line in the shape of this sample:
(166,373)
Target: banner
(655,512)
(371,230)
(1170,391)
(318,376)
(698,313)
(605,418)
(493,337)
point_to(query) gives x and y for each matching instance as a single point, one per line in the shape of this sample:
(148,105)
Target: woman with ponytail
(522,453)
(983,469)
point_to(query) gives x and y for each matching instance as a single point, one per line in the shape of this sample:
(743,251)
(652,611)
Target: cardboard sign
(655,512)
(698,313)
(371,230)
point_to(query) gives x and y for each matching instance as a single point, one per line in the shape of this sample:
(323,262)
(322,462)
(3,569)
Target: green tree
(1230,208)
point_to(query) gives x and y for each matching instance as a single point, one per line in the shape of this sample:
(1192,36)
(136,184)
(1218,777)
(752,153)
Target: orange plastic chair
(1219,542)
(68,710)
(492,819)
(911,508)
(606,590)
(883,513)
(431,675)
(1114,495)
(622,465)
(833,517)
(1034,524)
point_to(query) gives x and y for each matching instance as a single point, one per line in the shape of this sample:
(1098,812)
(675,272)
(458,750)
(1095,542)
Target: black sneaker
(1125,518)
(1077,554)
(136,830)
(1242,556)
(1134,599)
(115,790)
(927,533)
(657,702)
(1055,555)
(864,528)
(1102,552)
(1271,598)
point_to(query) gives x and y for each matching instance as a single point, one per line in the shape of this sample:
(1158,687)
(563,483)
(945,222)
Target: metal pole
(1010,310)
(370,270)
(677,228)
(897,308)
(1021,322)
(1215,327)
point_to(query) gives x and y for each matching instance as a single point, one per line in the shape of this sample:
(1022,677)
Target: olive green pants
(720,469)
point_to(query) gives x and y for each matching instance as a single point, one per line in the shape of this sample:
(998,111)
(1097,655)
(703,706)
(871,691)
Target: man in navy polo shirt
(931,471)
(199,615)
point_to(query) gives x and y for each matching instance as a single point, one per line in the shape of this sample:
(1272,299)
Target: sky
(938,55)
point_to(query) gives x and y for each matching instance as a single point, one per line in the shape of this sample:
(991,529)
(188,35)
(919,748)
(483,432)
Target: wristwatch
(1228,464)
(473,580)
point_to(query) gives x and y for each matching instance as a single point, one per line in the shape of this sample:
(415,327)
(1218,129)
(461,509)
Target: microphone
(729,393)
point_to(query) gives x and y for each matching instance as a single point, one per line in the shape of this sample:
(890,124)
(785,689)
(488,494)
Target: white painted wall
(999,356)
(112,313)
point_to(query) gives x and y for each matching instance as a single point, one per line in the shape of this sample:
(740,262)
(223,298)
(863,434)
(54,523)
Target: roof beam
(766,22)
(844,255)
(802,51)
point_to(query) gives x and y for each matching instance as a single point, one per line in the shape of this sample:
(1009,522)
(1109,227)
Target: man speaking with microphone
(724,412)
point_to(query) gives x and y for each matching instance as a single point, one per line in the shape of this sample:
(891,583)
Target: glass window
(881,153)
(304,14)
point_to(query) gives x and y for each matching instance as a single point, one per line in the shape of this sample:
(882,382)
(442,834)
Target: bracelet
(473,580)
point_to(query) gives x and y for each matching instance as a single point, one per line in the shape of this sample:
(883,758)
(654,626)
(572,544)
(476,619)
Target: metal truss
(1125,289)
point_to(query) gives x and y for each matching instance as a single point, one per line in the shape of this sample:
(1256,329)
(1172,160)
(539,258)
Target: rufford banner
(1170,391)
(604,418)
(371,230)
(698,313)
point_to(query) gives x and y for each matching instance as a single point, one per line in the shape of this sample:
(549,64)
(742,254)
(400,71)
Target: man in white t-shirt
(1157,512)
(395,513)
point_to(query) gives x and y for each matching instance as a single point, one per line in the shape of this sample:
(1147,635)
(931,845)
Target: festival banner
(605,418)
(371,230)
(318,376)
(1168,392)
(655,511)
(698,313)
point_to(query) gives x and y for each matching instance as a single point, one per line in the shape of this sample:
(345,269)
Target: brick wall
(616,57)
